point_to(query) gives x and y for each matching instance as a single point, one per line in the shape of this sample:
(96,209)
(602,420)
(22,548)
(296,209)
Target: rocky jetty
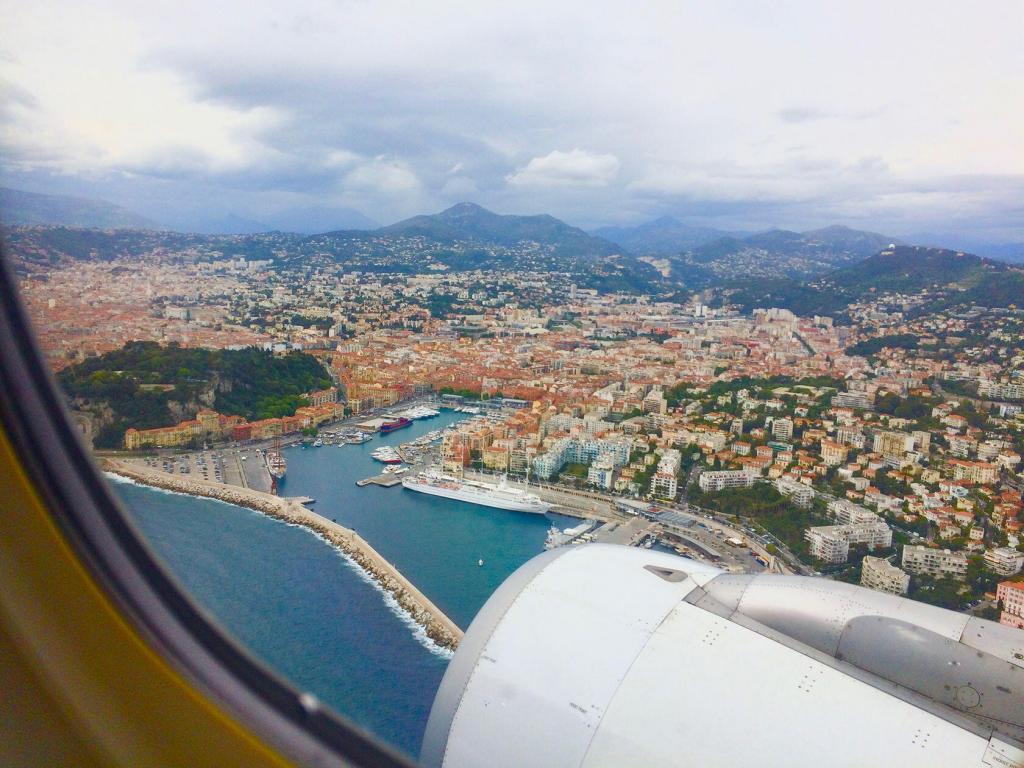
(438,627)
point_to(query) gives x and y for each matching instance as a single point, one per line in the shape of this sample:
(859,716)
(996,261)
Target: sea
(305,609)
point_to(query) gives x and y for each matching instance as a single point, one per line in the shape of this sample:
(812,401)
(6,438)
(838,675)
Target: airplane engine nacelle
(601,655)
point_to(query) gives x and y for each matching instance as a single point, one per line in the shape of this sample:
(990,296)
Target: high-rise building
(893,445)
(782,429)
(664,483)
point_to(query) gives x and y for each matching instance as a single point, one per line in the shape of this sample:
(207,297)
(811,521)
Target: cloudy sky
(903,117)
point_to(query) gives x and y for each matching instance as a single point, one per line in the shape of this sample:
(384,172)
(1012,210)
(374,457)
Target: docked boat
(391,425)
(387,455)
(557,538)
(420,412)
(276,463)
(501,496)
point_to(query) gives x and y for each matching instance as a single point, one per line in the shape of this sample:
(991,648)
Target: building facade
(878,573)
(939,563)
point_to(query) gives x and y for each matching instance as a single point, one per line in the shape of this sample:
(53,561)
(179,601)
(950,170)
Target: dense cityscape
(885,450)
(512,385)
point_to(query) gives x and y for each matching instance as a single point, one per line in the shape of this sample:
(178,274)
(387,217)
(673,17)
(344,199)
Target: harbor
(427,556)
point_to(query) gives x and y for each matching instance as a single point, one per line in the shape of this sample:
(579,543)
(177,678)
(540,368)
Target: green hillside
(147,385)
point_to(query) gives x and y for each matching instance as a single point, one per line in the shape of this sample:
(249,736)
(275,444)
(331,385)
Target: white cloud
(341,158)
(94,108)
(576,168)
(694,102)
(382,175)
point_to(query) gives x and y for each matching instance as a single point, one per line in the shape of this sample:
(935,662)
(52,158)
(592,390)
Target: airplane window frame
(107,543)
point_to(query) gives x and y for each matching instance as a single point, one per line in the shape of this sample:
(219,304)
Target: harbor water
(296,603)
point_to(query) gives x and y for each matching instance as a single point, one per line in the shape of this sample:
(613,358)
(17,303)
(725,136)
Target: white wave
(122,480)
(418,630)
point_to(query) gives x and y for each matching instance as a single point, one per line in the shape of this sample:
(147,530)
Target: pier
(384,481)
(439,628)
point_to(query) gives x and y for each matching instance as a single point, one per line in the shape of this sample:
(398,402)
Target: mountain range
(468,221)
(30,209)
(953,277)
(777,252)
(666,236)
(20,208)
(815,271)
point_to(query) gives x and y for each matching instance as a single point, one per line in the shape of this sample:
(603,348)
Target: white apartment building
(851,436)
(852,400)
(665,483)
(847,513)
(655,402)
(939,563)
(717,481)
(564,450)
(976,471)
(878,573)
(800,493)
(602,472)
(1000,391)
(831,543)
(1004,560)
(782,429)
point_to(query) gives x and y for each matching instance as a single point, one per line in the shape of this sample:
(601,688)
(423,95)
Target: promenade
(439,628)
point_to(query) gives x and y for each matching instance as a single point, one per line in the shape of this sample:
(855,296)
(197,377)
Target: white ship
(420,412)
(500,496)
(276,463)
(387,454)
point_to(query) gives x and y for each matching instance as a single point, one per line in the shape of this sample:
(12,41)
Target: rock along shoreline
(441,630)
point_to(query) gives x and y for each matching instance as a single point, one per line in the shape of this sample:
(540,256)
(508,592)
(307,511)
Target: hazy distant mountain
(913,268)
(955,278)
(231,224)
(30,208)
(1012,253)
(666,236)
(468,237)
(301,221)
(855,241)
(778,253)
(468,221)
(315,219)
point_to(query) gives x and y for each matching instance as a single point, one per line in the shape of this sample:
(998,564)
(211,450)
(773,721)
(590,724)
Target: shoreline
(441,630)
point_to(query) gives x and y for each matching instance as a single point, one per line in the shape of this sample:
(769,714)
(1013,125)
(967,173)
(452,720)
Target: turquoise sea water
(299,605)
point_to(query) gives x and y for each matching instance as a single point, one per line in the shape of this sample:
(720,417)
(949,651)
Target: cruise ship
(500,496)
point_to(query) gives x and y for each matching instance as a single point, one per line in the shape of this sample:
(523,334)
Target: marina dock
(384,481)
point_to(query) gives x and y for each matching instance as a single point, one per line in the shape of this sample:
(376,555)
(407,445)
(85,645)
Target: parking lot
(233,466)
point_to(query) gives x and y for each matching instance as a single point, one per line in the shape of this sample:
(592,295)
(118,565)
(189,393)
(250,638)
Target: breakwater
(438,627)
